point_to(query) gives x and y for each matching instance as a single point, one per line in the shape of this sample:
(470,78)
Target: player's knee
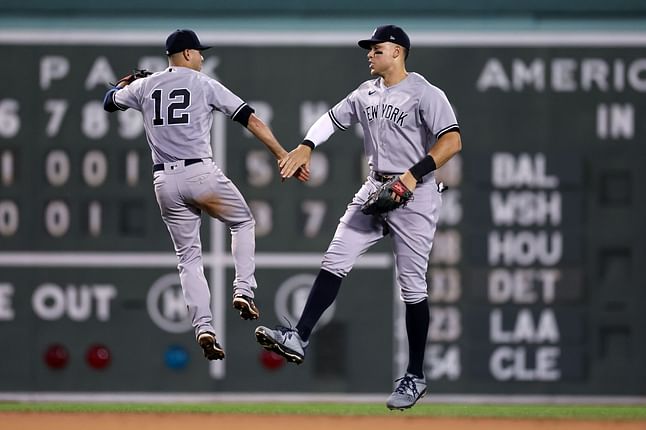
(246,224)
(189,257)
(413,287)
(411,297)
(334,268)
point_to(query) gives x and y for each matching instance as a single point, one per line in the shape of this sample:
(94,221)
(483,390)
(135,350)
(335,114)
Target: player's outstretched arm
(264,134)
(299,158)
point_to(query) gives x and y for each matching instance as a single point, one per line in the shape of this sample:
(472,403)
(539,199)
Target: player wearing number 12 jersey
(177,106)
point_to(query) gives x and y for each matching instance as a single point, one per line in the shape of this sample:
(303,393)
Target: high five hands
(296,163)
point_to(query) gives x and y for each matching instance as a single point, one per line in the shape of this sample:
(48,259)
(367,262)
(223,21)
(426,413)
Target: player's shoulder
(150,78)
(366,87)
(184,72)
(204,79)
(419,80)
(201,81)
(423,86)
(203,76)
(370,83)
(158,73)
(165,74)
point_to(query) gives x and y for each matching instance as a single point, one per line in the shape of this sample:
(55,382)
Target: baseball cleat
(246,306)
(409,390)
(212,350)
(283,341)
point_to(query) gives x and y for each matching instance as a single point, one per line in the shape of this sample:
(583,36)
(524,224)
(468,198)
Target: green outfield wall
(537,281)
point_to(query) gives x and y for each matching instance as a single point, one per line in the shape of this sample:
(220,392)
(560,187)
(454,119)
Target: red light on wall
(270,360)
(98,356)
(56,356)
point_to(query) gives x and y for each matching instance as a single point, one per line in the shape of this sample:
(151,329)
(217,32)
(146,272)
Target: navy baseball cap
(180,40)
(387,33)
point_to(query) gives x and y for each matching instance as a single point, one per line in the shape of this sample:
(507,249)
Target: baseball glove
(389,196)
(131,77)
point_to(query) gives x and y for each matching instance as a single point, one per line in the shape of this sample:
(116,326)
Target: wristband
(308,143)
(423,167)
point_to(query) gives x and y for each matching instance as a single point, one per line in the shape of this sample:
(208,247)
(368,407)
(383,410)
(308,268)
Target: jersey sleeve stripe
(243,114)
(452,127)
(336,122)
(237,111)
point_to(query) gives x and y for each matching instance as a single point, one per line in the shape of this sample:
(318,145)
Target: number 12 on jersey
(180,98)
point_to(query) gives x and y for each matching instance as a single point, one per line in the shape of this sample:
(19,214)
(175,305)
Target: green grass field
(577,412)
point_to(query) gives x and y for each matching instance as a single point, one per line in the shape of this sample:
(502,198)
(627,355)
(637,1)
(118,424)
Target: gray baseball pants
(183,192)
(412,229)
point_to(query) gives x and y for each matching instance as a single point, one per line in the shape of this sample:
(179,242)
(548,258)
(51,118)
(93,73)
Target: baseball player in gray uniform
(409,130)
(177,106)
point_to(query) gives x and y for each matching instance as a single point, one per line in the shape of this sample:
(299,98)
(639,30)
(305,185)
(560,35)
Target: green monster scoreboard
(537,276)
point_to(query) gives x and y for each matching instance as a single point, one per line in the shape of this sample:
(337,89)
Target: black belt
(158,167)
(385,178)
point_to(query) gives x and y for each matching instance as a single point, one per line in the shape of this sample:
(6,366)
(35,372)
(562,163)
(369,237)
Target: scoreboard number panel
(72,178)
(534,273)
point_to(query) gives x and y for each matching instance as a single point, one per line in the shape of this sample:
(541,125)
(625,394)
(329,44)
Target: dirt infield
(144,421)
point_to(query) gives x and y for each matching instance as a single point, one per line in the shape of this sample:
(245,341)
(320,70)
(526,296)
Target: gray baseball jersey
(400,124)
(177,105)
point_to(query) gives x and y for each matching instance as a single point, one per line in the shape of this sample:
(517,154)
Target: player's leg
(343,251)
(183,223)
(213,192)
(355,233)
(412,229)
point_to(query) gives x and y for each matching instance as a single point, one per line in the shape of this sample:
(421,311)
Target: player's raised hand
(303,173)
(297,159)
